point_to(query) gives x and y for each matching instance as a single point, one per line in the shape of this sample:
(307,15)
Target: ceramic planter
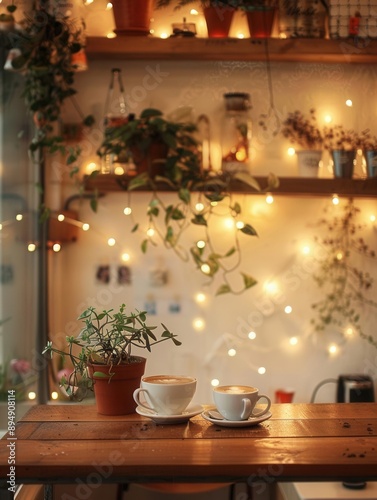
(344,162)
(115,396)
(308,162)
(260,22)
(218,21)
(132,17)
(371,161)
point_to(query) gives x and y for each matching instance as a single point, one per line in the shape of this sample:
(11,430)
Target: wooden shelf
(345,50)
(291,186)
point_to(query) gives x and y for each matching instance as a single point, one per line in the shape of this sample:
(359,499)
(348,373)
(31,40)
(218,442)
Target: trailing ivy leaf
(135,228)
(248,280)
(230,252)
(74,171)
(247,229)
(154,211)
(139,181)
(94,204)
(247,179)
(199,219)
(169,237)
(215,196)
(223,289)
(236,208)
(144,245)
(177,214)
(89,121)
(184,195)
(150,113)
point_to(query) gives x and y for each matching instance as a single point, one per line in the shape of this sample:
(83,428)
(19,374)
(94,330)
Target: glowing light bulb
(200,297)
(91,167)
(306,249)
(262,370)
(213,203)
(205,268)
(118,170)
(333,349)
(270,287)
(328,118)
(269,199)
(198,323)
(19,217)
(293,340)
(111,242)
(287,309)
(88,2)
(111,34)
(61,217)
(85,226)
(199,207)
(372,218)
(56,247)
(31,395)
(164,35)
(232,352)
(349,103)
(1,227)
(109,6)
(252,335)
(291,151)
(32,247)
(194,12)
(339,255)
(127,211)
(125,257)
(200,244)
(215,382)
(240,36)
(335,199)
(54,395)
(240,224)
(349,331)
(150,232)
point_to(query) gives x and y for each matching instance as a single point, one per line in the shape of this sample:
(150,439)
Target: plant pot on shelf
(308,162)
(114,395)
(343,162)
(218,20)
(371,162)
(152,160)
(260,22)
(132,17)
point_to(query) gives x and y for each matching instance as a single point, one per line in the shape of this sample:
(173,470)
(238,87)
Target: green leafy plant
(346,287)
(107,338)
(303,131)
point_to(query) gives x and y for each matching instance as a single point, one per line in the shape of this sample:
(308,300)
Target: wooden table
(300,442)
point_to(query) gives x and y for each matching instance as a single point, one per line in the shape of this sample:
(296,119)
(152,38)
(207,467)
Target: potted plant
(153,144)
(343,145)
(305,132)
(102,359)
(132,17)
(260,15)
(217,13)
(369,148)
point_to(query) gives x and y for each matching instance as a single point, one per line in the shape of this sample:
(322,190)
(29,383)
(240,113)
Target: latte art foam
(168,379)
(235,389)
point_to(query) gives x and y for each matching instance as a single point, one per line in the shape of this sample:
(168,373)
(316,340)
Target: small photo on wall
(103,275)
(124,275)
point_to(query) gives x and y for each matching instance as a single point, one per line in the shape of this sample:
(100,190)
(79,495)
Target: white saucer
(185,416)
(237,423)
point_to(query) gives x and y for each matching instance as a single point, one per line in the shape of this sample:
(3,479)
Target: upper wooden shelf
(291,186)
(345,50)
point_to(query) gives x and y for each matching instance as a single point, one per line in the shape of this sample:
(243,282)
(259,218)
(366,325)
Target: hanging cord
(324,382)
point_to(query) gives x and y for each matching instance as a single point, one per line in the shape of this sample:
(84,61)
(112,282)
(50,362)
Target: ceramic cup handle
(247,409)
(265,410)
(141,403)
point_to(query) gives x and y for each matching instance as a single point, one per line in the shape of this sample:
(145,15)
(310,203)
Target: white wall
(276,254)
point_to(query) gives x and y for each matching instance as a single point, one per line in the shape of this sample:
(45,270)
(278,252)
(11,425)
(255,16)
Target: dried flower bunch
(302,130)
(368,142)
(338,137)
(347,288)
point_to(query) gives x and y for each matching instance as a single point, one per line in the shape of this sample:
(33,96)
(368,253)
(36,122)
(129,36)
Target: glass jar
(236,133)
(116,115)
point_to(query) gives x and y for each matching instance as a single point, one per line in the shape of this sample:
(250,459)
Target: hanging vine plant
(347,288)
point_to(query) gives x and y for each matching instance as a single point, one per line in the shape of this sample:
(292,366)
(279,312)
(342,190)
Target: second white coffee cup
(237,402)
(165,394)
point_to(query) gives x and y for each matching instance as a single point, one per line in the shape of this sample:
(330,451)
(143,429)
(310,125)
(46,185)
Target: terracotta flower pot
(115,396)
(151,161)
(132,17)
(218,21)
(260,22)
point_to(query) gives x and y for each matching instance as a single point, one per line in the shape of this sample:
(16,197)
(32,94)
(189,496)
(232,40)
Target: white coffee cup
(166,394)
(237,402)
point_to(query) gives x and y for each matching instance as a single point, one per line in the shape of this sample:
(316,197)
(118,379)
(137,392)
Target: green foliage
(346,288)
(106,338)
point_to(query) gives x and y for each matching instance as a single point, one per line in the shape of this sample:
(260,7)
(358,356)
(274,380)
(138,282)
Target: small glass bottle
(116,115)
(236,133)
